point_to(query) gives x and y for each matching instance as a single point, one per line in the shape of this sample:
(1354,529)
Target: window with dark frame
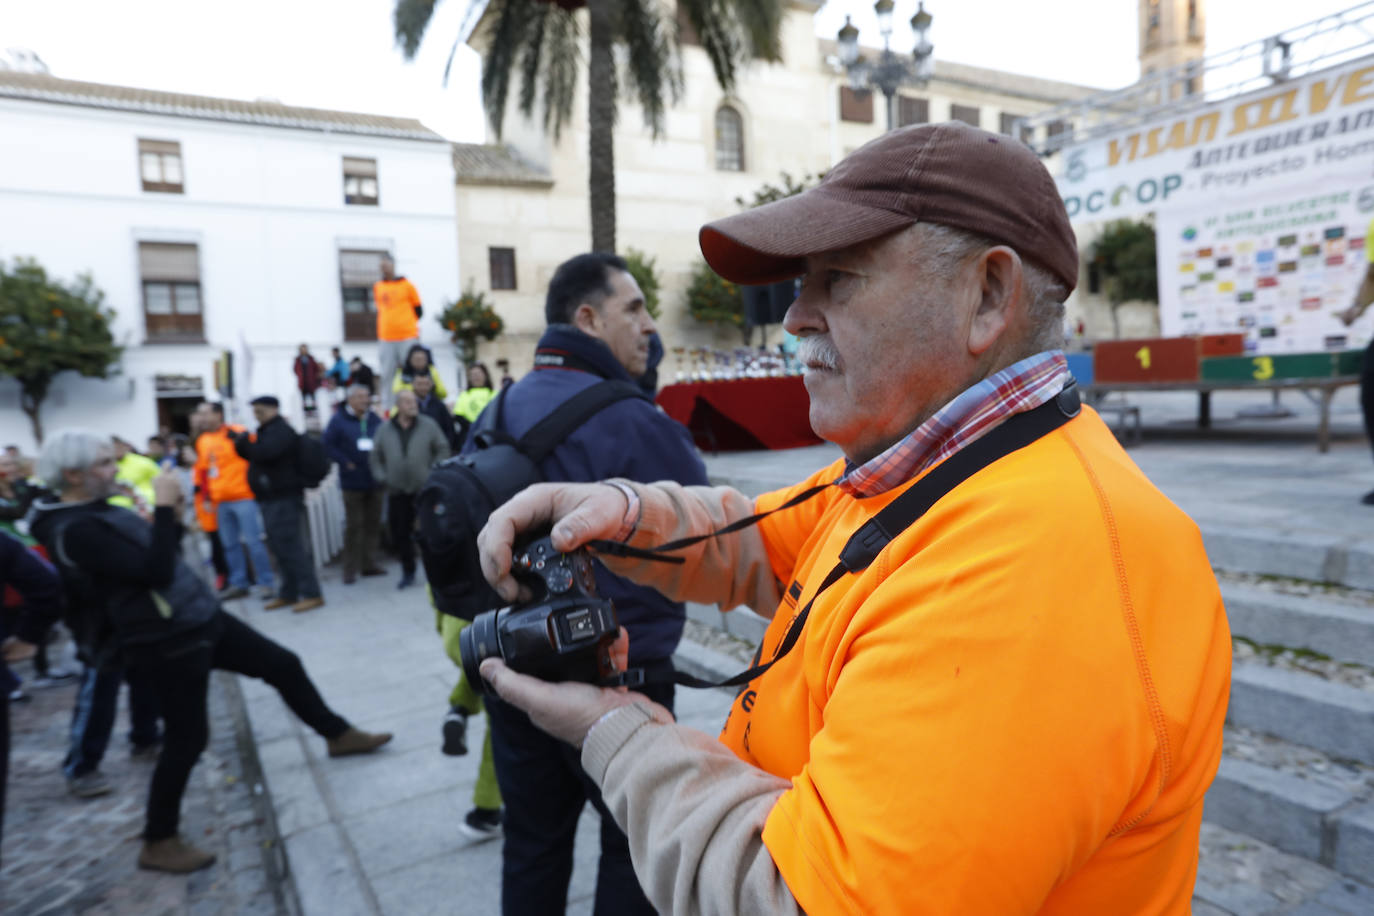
(159,166)
(729,140)
(172,307)
(502,264)
(1006,123)
(911,110)
(855,106)
(360,181)
(358,270)
(1061,129)
(969,114)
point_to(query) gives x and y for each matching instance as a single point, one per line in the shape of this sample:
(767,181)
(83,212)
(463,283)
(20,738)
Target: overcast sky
(340,53)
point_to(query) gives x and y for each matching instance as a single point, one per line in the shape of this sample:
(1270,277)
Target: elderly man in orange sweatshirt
(997,670)
(227,475)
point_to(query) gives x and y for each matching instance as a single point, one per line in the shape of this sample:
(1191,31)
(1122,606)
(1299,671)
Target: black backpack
(311,461)
(462,492)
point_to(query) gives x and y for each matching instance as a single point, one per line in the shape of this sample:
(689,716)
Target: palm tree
(540,40)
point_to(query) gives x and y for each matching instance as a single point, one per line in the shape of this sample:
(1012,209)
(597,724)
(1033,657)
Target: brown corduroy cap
(951,174)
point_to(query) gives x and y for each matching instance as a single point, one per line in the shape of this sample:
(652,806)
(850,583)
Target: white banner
(1289,133)
(1276,266)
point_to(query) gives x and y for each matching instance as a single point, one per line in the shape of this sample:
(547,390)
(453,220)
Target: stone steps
(1293,554)
(1343,630)
(1305,709)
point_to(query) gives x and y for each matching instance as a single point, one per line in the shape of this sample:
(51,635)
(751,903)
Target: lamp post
(889,70)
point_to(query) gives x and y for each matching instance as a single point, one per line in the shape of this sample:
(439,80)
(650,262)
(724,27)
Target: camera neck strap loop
(865,544)
(618,549)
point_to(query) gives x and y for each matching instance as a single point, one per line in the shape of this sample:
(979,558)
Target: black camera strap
(864,545)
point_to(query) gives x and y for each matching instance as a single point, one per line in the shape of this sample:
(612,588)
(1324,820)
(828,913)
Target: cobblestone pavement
(63,855)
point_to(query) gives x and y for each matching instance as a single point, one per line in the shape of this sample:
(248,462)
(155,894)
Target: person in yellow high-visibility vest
(1363,298)
(135,472)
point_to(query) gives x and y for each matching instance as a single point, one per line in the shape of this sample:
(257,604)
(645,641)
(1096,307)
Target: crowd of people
(997,667)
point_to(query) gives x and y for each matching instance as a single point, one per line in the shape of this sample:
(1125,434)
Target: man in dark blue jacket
(597,329)
(348,441)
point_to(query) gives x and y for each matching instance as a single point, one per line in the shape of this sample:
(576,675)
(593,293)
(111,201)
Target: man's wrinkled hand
(579,512)
(567,710)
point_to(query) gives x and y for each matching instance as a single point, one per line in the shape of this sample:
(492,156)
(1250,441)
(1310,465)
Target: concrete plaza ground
(379,834)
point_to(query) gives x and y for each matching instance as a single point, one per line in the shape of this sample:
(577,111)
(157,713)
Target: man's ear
(73,477)
(587,320)
(998,275)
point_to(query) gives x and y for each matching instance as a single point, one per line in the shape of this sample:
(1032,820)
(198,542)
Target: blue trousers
(238,521)
(544,789)
(93,718)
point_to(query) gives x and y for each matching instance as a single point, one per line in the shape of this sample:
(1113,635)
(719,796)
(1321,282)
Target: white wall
(264,206)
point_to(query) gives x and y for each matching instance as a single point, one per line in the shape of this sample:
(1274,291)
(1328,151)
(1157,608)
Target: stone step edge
(1313,556)
(1302,817)
(1249,797)
(1304,709)
(1341,631)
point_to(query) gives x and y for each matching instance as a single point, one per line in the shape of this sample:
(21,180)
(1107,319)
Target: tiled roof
(43,87)
(491,164)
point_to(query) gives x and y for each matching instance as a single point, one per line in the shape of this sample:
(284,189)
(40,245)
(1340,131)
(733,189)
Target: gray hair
(68,450)
(949,249)
(357,387)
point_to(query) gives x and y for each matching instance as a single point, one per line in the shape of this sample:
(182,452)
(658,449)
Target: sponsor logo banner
(1283,135)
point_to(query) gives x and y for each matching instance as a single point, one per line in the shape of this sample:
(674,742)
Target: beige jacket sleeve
(730,570)
(694,815)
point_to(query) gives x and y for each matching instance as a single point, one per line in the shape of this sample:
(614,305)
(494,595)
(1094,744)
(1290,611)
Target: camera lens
(478,641)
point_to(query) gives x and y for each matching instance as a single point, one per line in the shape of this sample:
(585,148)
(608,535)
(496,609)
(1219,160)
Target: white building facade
(216,226)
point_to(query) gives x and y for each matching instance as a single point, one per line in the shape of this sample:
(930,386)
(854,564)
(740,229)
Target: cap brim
(771,243)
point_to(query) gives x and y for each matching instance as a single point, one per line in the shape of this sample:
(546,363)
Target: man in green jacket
(407,446)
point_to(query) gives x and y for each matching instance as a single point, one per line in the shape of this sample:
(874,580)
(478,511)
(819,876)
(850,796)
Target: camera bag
(460,493)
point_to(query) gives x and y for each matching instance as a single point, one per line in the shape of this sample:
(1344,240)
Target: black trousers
(4,758)
(400,512)
(1367,389)
(181,682)
(217,557)
(284,522)
(544,789)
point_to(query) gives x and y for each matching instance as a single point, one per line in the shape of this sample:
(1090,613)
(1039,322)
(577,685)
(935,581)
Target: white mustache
(818,350)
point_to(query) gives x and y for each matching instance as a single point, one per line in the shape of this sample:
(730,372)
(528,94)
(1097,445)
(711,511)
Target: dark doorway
(174,414)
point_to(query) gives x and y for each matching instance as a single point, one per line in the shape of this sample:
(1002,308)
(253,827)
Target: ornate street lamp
(889,70)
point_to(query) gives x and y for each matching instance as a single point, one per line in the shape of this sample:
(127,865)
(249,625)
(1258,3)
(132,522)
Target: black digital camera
(564,633)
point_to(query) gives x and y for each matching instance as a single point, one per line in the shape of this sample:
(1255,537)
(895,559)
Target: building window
(912,111)
(171,291)
(358,270)
(159,166)
(856,106)
(1007,123)
(1060,133)
(729,140)
(360,181)
(502,264)
(969,114)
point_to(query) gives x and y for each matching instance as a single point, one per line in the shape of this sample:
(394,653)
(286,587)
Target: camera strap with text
(865,544)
